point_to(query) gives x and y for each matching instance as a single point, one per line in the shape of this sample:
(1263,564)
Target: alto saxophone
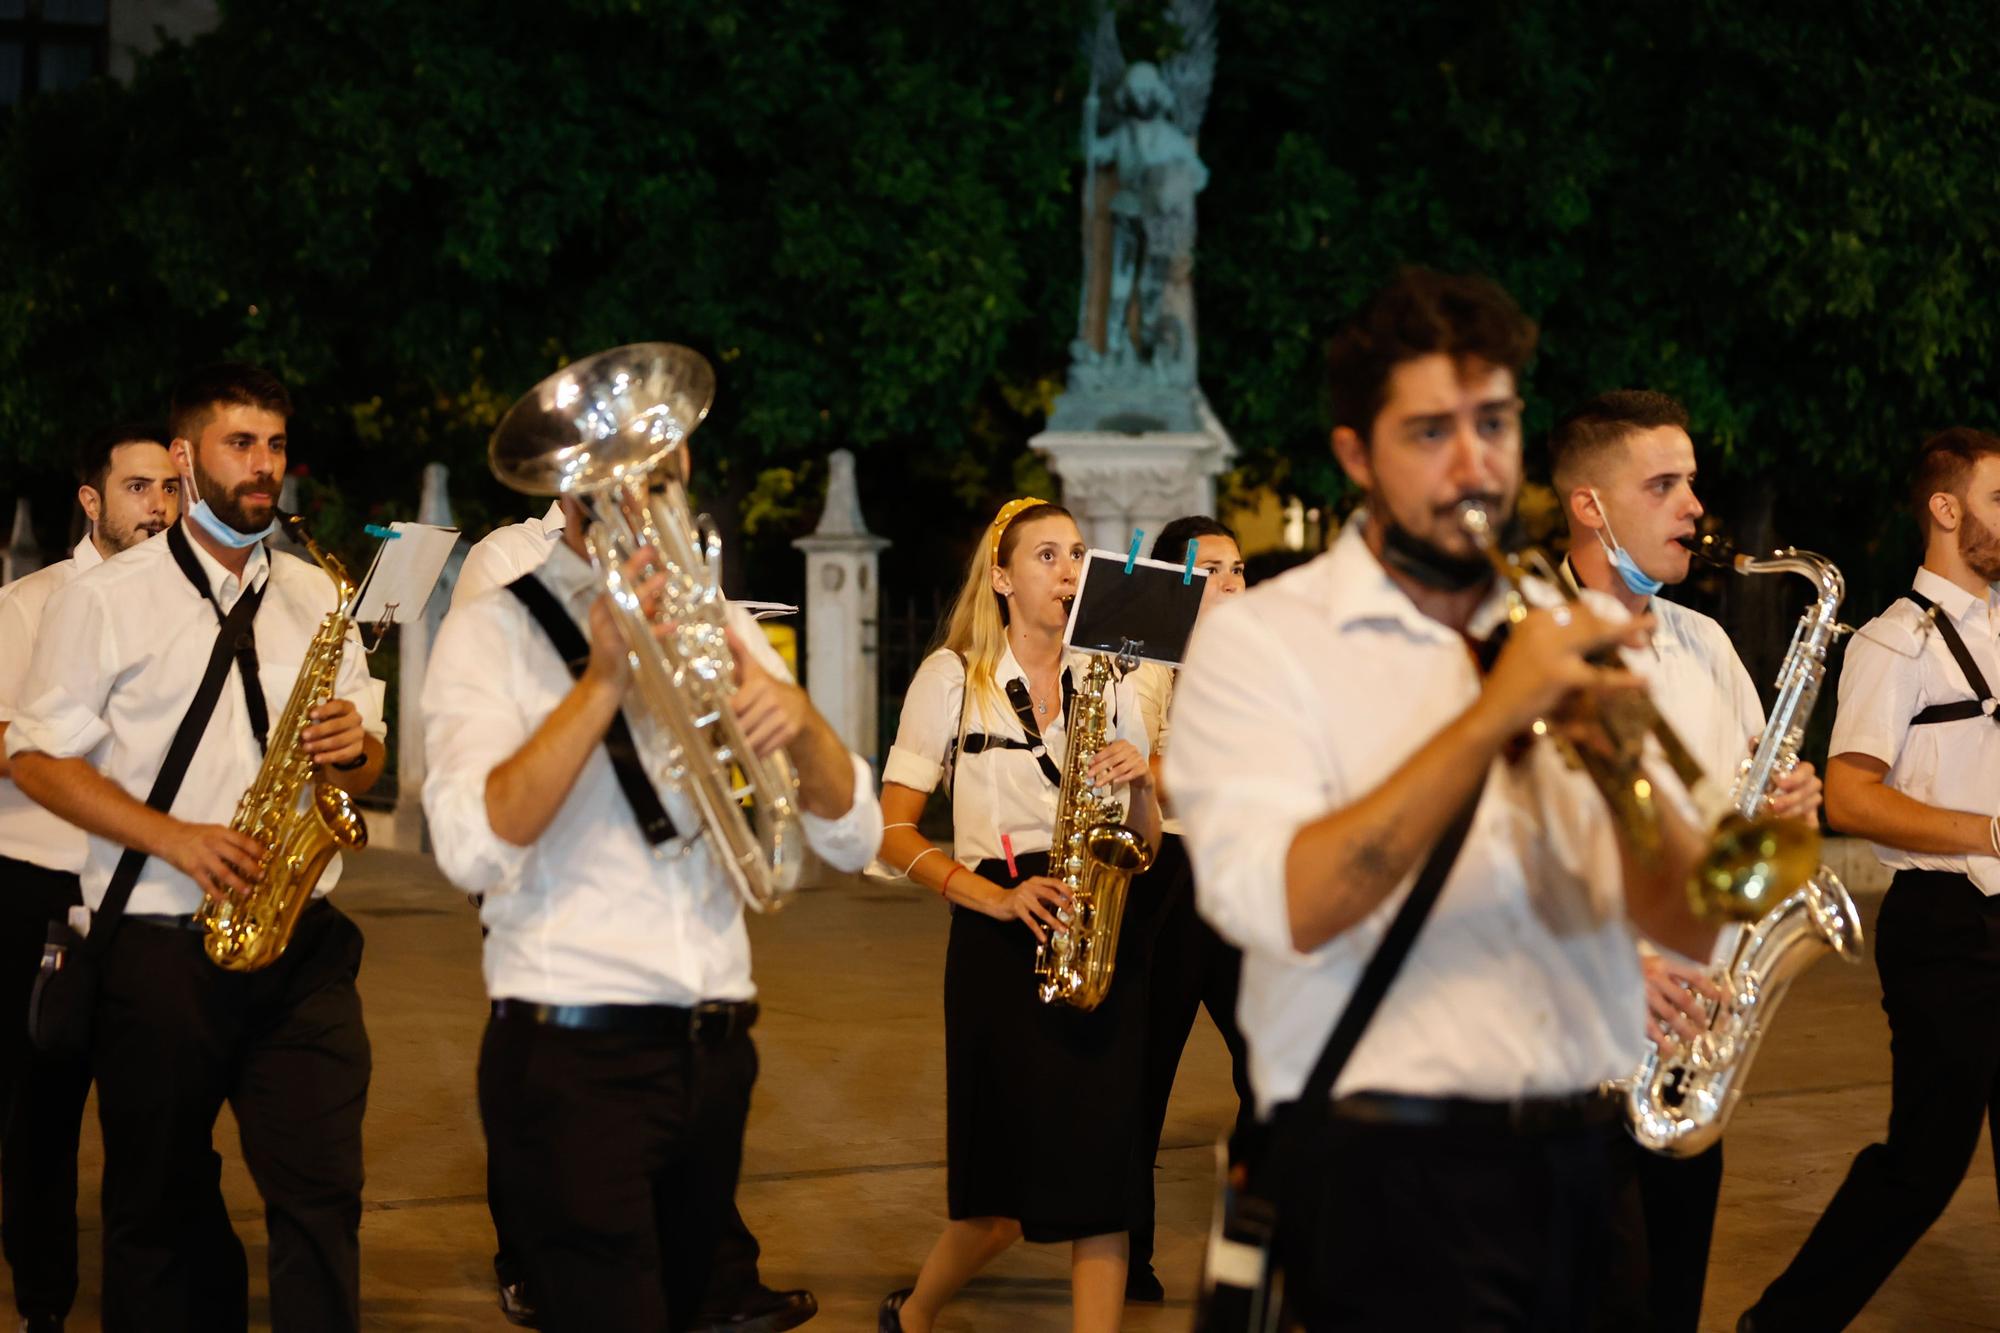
(1093,852)
(299,818)
(1678,1104)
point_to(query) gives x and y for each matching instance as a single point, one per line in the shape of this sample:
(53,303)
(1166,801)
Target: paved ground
(845,1172)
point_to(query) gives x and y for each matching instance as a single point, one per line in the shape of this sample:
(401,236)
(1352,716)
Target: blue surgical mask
(1636,580)
(220,532)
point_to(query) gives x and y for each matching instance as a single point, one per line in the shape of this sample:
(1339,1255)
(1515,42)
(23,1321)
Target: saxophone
(1093,852)
(296,815)
(1677,1105)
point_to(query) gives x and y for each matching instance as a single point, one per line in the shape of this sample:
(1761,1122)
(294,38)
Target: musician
(1329,726)
(1191,966)
(128,491)
(1914,766)
(121,651)
(1624,468)
(737,1300)
(1043,1102)
(620,978)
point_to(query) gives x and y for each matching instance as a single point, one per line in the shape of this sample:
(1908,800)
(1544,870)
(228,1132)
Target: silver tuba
(1678,1105)
(610,431)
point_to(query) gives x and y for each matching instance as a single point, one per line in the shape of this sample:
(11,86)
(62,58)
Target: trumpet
(1750,863)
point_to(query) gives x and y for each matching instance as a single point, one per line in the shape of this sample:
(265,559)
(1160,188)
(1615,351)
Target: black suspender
(1982,704)
(654,821)
(246,648)
(1024,708)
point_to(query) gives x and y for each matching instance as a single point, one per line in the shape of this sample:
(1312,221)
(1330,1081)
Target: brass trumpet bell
(598,421)
(1751,866)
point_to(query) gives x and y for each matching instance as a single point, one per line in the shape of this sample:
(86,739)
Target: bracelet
(359,761)
(955,868)
(918,857)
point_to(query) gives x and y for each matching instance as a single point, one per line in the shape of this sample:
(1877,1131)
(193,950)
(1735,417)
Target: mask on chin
(1431,565)
(1636,580)
(217,530)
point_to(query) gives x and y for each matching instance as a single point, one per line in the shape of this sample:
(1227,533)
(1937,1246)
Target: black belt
(706,1024)
(164,921)
(1529,1115)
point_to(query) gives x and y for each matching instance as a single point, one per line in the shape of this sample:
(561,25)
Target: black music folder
(1150,604)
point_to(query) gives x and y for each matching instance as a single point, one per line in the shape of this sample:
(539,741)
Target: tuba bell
(610,431)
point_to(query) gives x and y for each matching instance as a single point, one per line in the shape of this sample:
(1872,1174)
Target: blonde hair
(977,627)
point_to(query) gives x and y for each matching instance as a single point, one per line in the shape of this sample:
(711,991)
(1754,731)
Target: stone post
(415,639)
(23,554)
(843,611)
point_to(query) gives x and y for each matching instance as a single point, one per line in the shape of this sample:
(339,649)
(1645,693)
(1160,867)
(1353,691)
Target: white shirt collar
(552,522)
(569,575)
(222,584)
(1359,590)
(1953,600)
(86,554)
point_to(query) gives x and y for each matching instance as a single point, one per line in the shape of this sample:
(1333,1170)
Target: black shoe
(763,1311)
(514,1303)
(887,1320)
(1141,1284)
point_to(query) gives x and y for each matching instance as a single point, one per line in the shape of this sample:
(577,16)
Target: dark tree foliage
(866,216)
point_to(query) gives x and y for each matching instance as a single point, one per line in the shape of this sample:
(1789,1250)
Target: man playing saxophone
(1624,470)
(121,652)
(619,974)
(1332,727)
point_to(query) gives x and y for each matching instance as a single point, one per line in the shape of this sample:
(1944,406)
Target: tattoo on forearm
(1371,862)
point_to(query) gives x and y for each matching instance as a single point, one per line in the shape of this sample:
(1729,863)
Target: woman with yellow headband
(1043,1104)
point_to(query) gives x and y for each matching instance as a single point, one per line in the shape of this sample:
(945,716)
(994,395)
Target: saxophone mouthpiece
(1713,548)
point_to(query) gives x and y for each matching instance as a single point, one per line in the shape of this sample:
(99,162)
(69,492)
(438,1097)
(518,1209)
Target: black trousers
(1400,1227)
(1192,967)
(41,1103)
(1678,1197)
(1937,949)
(617,1156)
(285,1047)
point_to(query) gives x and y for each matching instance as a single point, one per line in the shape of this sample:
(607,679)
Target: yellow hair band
(1007,515)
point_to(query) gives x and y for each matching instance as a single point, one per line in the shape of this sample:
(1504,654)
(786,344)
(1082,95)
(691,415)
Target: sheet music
(406,568)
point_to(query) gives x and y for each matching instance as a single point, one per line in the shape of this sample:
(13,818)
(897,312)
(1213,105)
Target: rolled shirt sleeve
(1240,771)
(1878,693)
(472,724)
(61,705)
(929,723)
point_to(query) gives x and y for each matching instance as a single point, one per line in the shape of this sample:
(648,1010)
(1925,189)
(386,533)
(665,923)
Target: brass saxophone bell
(1751,866)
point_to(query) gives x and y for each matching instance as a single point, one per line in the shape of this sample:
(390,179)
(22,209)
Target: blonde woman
(1043,1103)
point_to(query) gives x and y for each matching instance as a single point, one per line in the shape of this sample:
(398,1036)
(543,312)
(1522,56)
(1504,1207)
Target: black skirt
(1043,1102)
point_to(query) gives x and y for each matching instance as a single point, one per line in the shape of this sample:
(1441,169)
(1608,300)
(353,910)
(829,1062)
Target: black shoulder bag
(1242,1288)
(64,1000)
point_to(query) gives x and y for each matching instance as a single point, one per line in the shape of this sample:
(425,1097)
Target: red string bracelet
(955,868)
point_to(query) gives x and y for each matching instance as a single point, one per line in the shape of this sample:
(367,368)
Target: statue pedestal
(1115,481)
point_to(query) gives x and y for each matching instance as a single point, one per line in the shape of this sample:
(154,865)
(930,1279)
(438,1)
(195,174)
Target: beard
(120,537)
(1979,547)
(230,505)
(1434,565)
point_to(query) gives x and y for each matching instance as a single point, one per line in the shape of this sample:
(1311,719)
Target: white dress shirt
(1897,665)
(504,554)
(27,831)
(121,651)
(998,791)
(590,913)
(1153,687)
(1299,698)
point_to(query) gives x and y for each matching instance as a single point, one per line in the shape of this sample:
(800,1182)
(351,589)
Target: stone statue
(1136,327)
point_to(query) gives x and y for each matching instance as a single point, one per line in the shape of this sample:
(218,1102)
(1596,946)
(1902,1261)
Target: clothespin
(1187,569)
(377,530)
(1007,849)
(1132,554)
